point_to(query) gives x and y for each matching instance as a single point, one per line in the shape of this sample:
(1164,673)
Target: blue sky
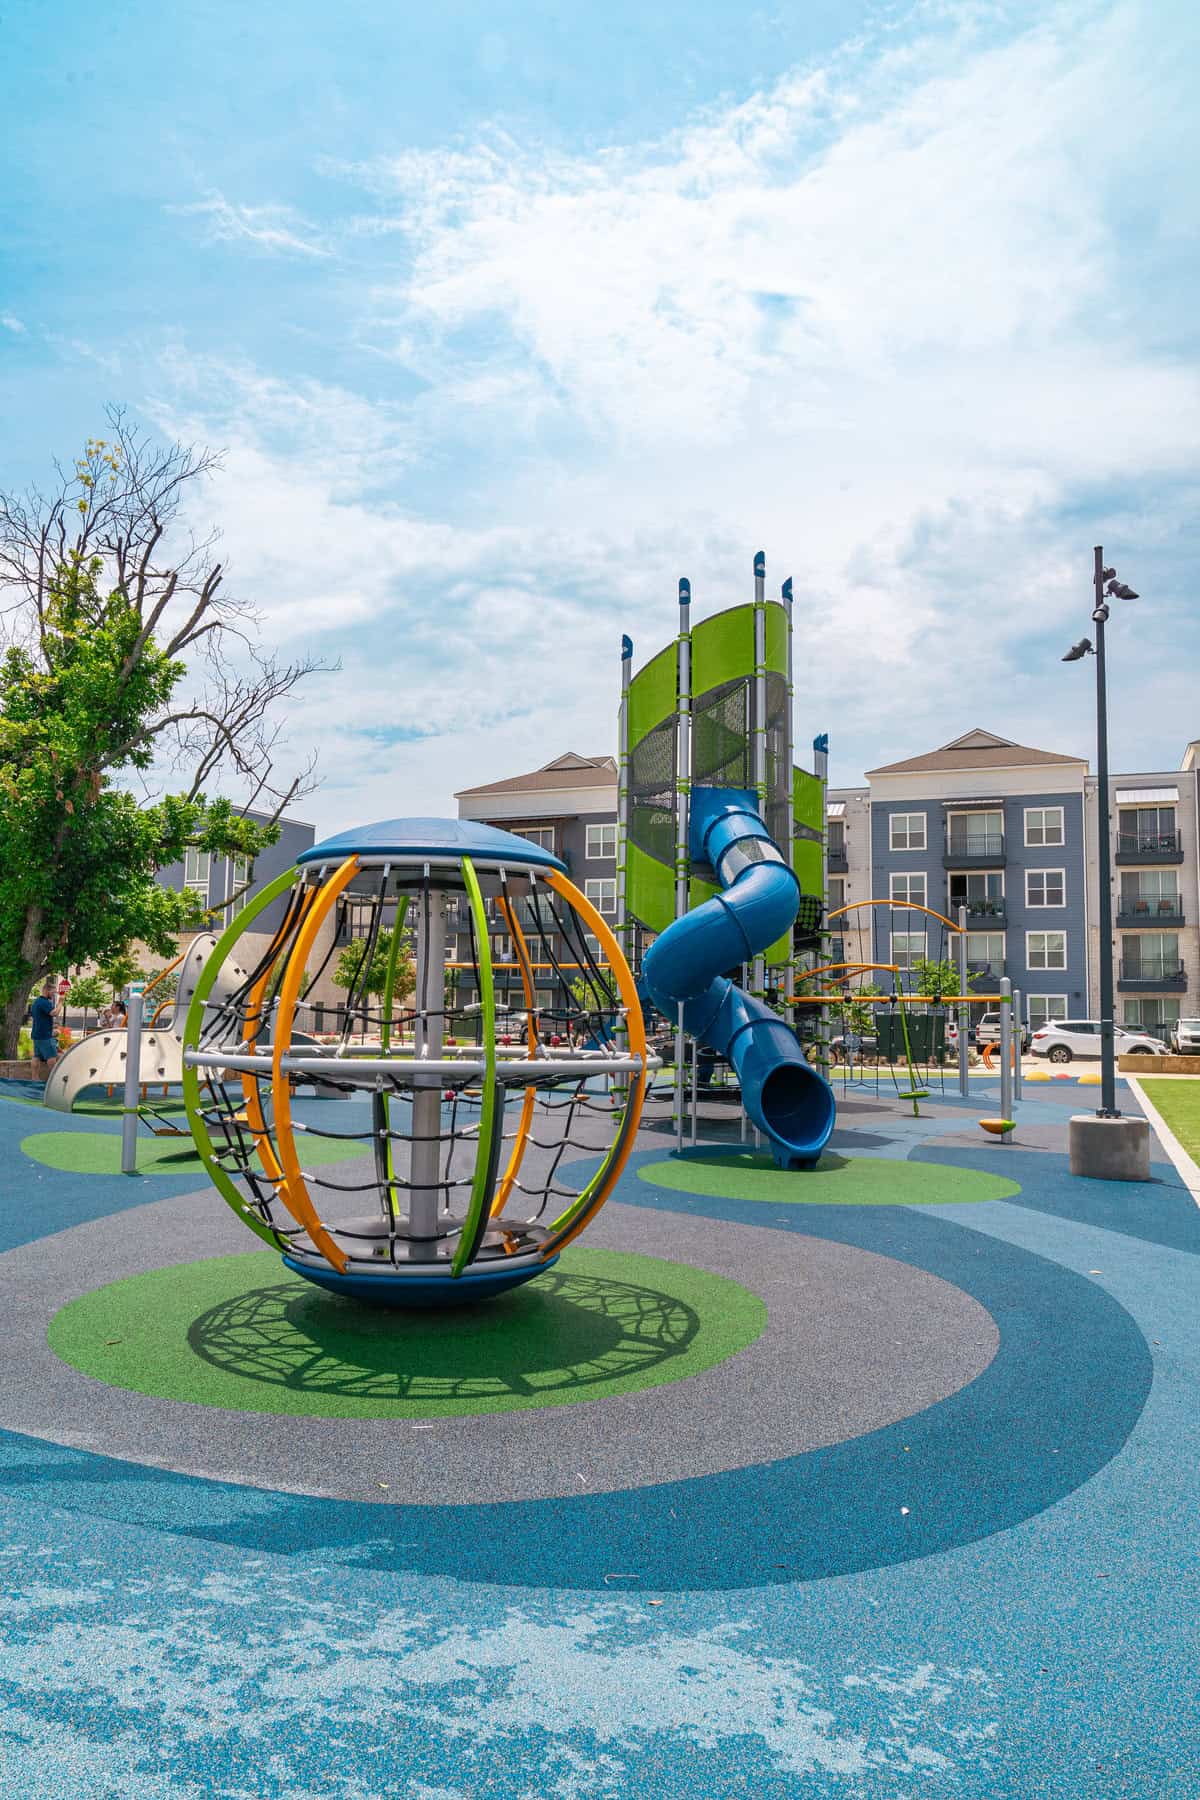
(508,316)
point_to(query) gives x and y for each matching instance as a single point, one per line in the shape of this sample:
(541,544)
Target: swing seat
(998,1127)
(914,1093)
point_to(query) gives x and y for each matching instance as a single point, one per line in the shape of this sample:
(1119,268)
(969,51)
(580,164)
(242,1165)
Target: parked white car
(1185,1039)
(1059,1040)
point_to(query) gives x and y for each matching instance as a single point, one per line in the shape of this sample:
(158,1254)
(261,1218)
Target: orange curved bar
(293,1193)
(636,1027)
(896,906)
(525,1122)
(255,1117)
(858,968)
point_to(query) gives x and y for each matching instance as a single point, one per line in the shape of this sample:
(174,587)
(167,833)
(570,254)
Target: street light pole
(1106,1144)
(1108,1062)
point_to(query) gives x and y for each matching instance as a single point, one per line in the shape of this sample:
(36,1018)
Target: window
(1044,1007)
(1151,958)
(907,831)
(985,950)
(501,947)
(981,892)
(601,842)
(1045,887)
(602,893)
(1146,1013)
(1046,949)
(837,893)
(909,889)
(975,834)
(836,834)
(1043,825)
(908,947)
(196,864)
(1149,891)
(1146,829)
(538,834)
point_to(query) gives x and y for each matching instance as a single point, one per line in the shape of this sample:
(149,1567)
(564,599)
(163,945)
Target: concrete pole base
(1110,1149)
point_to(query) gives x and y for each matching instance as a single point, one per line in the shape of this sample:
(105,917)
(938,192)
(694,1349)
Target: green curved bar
(191,1041)
(480,1195)
(385,1036)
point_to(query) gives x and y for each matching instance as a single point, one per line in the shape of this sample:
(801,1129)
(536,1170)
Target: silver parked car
(1185,1039)
(1059,1040)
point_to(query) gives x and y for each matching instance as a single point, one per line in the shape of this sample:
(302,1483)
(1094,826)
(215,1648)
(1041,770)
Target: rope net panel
(495,1093)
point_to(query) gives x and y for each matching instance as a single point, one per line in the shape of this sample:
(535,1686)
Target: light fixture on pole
(1106,584)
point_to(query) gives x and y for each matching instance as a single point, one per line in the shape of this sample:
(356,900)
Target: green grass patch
(1179,1104)
(836,1180)
(99,1153)
(244,1333)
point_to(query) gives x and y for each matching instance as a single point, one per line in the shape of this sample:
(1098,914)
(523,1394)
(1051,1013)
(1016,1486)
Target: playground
(448,1410)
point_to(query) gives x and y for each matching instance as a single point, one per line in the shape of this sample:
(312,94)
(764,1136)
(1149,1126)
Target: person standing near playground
(45,1046)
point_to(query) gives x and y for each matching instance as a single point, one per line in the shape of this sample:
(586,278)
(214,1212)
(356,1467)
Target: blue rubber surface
(997,1597)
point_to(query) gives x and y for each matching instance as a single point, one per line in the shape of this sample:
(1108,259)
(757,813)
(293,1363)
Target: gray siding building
(1011,832)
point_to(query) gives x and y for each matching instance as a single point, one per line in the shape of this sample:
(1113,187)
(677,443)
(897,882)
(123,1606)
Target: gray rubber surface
(854,1341)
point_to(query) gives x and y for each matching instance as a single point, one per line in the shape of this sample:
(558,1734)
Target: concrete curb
(1187,1169)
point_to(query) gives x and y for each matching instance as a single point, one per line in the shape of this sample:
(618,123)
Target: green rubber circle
(836,1180)
(242,1332)
(99,1152)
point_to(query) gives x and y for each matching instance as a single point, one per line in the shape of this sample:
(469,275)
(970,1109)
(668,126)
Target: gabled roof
(976,749)
(568,771)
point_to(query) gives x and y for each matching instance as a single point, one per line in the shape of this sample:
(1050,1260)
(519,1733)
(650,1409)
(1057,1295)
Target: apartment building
(569,806)
(1011,833)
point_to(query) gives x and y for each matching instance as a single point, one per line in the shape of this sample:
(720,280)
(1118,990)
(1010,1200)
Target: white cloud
(270,227)
(11,323)
(875,320)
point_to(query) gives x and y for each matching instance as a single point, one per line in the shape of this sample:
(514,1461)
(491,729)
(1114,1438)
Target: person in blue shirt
(45,1045)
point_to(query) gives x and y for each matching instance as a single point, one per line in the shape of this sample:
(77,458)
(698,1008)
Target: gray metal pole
(425,1173)
(133,1076)
(964,1011)
(623,789)
(695,1084)
(1005,1048)
(759,738)
(1108,1060)
(1019,1033)
(683,789)
(789,848)
(820,747)
(680,1089)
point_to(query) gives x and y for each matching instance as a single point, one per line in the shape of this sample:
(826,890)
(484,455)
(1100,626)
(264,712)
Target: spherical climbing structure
(493,1026)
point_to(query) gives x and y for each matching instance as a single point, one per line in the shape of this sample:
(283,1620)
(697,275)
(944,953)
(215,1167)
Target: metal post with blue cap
(759,741)
(789,848)
(820,747)
(133,1074)
(683,789)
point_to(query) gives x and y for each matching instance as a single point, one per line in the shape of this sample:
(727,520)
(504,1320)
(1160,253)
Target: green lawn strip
(99,1153)
(836,1180)
(1179,1104)
(243,1333)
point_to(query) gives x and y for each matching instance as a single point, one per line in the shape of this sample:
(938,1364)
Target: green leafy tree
(120,656)
(118,970)
(595,993)
(88,992)
(937,977)
(347,970)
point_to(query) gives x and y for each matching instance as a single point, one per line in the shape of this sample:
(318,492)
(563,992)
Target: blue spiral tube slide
(788,1100)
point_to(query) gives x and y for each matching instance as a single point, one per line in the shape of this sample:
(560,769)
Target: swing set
(919,1040)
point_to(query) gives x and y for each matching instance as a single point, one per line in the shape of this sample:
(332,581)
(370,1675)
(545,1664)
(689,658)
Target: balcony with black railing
(1140,974)
(973,850)
(1137,914)
(982,915)
(839,861)
(1149,847)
